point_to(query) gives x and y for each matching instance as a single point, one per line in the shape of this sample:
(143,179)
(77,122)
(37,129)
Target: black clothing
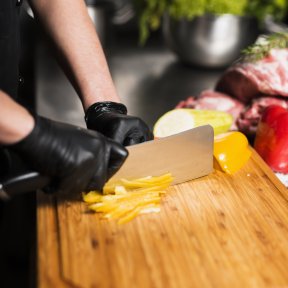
(9,46)
(17,217)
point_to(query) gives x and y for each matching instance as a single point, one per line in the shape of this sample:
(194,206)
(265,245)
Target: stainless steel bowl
(210,40)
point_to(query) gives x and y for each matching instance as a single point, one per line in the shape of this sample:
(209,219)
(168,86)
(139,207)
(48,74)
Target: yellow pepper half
(231,150)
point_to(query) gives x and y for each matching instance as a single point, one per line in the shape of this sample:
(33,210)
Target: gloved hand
(111,119)
(76,159)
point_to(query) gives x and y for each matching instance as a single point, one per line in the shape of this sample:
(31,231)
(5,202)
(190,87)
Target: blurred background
(156,58)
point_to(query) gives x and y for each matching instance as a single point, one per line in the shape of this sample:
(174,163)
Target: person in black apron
(9,46)
(47,145)
(75,159)
(9,58)
(103,111)
(17,217)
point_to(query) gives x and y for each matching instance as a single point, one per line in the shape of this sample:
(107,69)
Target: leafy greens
(150,11)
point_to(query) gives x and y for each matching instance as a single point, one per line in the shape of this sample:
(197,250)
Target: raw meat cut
(249,80)
(249,118)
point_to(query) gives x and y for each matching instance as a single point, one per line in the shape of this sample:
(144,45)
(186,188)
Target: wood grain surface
(215,231)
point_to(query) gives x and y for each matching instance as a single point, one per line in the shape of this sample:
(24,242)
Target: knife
(22,183)
(186,155)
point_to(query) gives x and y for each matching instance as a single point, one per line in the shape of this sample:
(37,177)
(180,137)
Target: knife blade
(187,155)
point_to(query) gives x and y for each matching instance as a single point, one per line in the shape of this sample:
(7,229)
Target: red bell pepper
(271,140)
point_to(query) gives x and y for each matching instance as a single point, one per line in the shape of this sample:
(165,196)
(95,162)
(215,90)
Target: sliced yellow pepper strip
(129,216)
(138,183)
(92,197)
(126,199)
(127,207)
(231,150)
(149,208)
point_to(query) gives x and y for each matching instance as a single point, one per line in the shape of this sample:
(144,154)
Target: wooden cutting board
(216,231)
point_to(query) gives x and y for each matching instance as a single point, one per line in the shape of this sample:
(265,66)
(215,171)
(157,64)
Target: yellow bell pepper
(231,150)
(126,199)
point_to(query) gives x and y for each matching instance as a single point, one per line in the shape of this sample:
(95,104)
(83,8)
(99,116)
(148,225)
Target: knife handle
(22,183)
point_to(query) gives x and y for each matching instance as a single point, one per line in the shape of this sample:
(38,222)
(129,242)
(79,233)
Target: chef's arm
(15,121)
(73,32)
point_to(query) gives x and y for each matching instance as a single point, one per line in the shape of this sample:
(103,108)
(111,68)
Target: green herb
(150,12)
(260,50)
(185,8)
(218,7)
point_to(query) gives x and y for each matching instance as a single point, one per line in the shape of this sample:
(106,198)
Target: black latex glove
(76,159)
(111,119)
